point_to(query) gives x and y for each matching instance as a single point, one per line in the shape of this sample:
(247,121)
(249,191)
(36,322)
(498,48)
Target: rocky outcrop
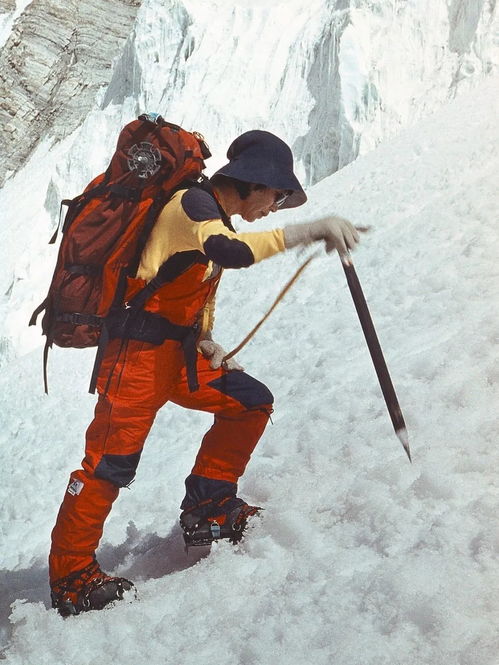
(7,6)
(58,56)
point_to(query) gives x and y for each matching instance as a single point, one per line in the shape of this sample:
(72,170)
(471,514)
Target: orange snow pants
(142,380)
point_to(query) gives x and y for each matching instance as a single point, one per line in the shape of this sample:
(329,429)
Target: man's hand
(216,354)
(338,233)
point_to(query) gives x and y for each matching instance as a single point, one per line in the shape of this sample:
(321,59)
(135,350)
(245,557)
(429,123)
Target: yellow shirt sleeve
(174,231)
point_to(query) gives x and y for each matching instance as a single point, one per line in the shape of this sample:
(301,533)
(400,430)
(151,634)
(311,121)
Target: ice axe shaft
(376,353)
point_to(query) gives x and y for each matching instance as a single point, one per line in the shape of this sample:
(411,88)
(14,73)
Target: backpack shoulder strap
(203,182)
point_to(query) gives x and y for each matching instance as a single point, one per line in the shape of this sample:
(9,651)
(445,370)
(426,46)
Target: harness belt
(148,327)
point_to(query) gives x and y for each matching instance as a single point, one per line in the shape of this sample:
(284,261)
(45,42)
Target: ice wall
(333,76)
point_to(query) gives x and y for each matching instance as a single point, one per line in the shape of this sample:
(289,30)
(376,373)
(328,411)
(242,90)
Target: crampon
(88,589)
(210,521)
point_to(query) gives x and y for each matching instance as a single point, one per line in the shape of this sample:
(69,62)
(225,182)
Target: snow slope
(360,558)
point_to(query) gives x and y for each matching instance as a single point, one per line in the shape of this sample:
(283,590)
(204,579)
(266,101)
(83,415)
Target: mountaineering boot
(88,589)
(212,520)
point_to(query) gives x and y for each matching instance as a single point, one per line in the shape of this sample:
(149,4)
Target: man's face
(259,203)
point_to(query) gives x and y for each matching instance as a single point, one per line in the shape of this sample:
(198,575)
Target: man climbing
(152,366)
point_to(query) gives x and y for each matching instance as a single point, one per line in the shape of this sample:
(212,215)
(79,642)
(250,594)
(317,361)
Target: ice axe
(376,353)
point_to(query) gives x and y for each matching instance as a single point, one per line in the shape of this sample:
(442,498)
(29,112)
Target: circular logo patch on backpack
(145,159)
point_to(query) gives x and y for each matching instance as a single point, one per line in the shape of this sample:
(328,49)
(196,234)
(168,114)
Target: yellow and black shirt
(191,223)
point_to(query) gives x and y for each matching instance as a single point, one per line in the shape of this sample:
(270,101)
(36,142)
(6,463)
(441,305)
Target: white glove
(338,233)
(216,354)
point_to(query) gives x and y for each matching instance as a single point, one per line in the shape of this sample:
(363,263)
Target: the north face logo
(75,487)
(145,159)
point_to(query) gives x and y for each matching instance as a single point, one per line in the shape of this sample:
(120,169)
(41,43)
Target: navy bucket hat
(261,157)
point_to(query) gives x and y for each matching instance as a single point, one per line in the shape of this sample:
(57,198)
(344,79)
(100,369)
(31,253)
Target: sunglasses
(280,197)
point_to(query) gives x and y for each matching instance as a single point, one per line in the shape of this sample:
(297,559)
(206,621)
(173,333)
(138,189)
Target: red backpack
(106,227)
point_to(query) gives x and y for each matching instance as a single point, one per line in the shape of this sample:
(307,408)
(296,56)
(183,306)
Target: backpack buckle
(205,148)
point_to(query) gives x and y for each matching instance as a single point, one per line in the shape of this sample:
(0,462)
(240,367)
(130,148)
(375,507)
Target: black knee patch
(244,388)
(118,469)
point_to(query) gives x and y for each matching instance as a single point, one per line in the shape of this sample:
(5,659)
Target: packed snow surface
(360,558)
